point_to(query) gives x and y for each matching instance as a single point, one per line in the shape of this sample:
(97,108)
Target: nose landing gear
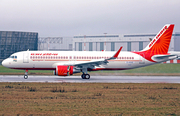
(26,74)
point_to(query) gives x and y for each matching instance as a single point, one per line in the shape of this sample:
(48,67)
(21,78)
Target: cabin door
(26,57)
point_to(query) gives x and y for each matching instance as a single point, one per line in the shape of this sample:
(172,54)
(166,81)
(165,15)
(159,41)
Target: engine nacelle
(62,70)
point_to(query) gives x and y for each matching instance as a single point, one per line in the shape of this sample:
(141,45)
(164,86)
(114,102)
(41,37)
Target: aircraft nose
(4,63)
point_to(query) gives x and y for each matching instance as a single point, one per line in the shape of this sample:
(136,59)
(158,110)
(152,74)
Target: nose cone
(5,63)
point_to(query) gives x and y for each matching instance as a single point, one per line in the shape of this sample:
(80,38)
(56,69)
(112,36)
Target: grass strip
(79,99)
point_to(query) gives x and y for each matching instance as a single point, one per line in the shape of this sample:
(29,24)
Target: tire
(87,76)
(25,76)
(82,76)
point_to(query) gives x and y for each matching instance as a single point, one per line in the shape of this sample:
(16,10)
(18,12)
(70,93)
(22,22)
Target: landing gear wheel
(85,76)
(25,76)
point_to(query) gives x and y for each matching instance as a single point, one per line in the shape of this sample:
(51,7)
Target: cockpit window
(11,57)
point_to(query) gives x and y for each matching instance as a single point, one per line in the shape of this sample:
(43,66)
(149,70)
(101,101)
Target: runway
(93,79)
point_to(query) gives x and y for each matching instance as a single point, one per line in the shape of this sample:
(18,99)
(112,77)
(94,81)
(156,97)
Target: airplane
(66,63)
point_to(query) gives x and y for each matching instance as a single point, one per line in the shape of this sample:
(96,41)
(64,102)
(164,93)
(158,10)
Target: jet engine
(62,70)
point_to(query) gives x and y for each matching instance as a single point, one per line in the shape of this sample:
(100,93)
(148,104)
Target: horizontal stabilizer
(162,58)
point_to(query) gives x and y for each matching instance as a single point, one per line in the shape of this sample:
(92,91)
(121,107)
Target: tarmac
(93,79)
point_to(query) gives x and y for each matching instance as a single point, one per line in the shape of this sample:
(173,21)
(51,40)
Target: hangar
(107,42)
(112,42)
(14,41)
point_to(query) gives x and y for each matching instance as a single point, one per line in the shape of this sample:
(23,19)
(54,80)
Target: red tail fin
(160,43)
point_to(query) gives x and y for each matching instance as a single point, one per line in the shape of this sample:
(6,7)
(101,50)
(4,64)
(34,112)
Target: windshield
(13,57)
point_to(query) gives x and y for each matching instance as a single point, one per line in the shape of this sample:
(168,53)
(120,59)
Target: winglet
(116,54)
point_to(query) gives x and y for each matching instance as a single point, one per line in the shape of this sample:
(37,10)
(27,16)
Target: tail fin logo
(160,43)
(158,36)
(162,31)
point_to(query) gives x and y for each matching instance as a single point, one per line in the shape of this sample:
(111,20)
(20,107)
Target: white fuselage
(65,63)
(48,60)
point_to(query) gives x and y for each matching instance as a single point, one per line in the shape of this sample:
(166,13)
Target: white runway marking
(93,79)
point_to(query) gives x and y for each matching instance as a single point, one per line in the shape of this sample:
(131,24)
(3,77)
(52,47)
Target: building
(13,41)
(55,43)
(109,42)
(177,41)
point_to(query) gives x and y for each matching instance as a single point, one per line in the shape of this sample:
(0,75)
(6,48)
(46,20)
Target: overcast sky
(55,18)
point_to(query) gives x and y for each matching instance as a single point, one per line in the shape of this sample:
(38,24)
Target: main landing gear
(85,76)
(26,74)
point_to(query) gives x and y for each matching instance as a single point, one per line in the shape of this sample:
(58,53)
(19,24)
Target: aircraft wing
(91,64)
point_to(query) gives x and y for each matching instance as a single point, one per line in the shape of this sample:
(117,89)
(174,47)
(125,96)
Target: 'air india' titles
(44,54)
(158,36)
